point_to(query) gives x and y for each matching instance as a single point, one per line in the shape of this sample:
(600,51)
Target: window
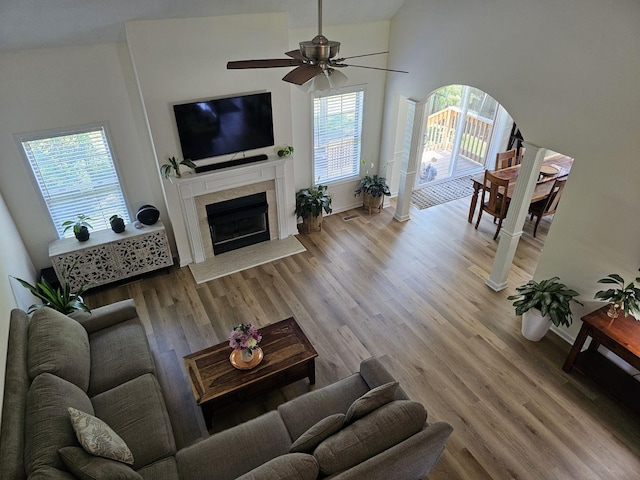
(76,174)
(337,133)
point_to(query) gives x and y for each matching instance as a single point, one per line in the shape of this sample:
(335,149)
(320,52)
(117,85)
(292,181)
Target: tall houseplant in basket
(541,304)
(373,189)
(310,203)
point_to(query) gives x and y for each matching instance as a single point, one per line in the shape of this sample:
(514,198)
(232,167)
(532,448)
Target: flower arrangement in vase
(245,338)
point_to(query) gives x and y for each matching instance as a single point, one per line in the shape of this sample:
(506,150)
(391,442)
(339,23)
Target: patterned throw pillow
(97,438)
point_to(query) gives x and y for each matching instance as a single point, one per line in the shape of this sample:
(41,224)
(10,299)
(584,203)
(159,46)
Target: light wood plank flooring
(413,294)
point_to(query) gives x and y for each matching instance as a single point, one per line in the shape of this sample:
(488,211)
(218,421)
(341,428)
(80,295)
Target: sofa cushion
(89,467)
(381,429)
(292,466)
(305,411)
(47,424)
(97,438)
(118,354)
(317,433)
(371,400)
(234,452)
(59,345)
(165,469)
(50,473)
(136,411)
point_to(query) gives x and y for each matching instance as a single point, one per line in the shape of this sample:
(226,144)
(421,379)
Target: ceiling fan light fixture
(336,78)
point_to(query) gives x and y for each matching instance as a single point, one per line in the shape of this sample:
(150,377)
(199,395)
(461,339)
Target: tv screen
(225,125)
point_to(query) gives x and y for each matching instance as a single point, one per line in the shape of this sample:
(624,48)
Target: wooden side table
(288,357)
(622,337)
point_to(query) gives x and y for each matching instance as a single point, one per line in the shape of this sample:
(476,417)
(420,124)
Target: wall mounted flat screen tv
(211,128)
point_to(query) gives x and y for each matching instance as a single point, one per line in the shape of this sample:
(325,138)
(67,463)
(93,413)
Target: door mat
(442,192)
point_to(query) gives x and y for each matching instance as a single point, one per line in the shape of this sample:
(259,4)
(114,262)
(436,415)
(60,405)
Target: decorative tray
(236,359)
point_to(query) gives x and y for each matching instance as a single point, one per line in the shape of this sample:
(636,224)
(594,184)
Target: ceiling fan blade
(295,54)
(302,74)
(266,63)
(364,66)
(358,56)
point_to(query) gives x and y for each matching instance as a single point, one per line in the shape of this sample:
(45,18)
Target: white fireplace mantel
(192,186)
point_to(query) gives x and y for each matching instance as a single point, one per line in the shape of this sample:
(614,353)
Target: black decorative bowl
(148,214)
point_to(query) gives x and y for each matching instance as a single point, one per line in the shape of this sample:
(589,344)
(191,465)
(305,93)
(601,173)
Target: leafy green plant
(174,166)
(626,296)
(284,151)
(373,185)
(549,296)
(77,224)
(310,202)
(61,298)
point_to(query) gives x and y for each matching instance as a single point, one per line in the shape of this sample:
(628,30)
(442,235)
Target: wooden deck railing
(441,129)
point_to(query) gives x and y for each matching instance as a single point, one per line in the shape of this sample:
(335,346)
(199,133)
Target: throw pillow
(87,467)
(97,438)
(292,466)
(367,403)
(381,429)
(317,433)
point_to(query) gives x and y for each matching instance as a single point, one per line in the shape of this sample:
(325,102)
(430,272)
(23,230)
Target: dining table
(553,166)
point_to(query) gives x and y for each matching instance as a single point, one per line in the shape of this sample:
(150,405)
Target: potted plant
(373,188)
(174,166)
(310,203)
(117,223)
(80,227)
(625,297)
(541,304)
(284,151)
(61,298)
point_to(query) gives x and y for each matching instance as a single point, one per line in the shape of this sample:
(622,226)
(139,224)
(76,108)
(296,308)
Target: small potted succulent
(174,167)
(80,227)
(117,223)
(625,297)
(310,203)
(373,189)
(541,304)
(284,151)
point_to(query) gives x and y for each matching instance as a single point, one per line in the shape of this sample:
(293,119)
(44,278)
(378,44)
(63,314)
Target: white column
(511,230)
(410,156)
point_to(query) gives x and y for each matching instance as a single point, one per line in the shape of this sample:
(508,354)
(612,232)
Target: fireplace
(238,222)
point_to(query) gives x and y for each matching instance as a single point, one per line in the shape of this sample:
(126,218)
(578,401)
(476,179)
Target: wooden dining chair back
(549,205)
(494,199)
(520,156)
(505,159)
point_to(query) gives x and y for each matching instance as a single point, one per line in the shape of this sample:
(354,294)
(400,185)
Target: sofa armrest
(408,460)
(375,374)
(107,316)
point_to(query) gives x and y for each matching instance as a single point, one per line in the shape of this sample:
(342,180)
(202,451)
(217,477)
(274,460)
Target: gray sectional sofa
(362,427)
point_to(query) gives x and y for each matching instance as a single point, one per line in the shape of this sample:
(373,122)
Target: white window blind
(76,175)
(337,134)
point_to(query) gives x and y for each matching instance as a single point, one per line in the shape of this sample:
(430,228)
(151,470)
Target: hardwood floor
(412,293)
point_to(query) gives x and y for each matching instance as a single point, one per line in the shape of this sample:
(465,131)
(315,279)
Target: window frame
(59,132)
(357,162)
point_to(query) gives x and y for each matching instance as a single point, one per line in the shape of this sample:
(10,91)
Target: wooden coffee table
(288,357)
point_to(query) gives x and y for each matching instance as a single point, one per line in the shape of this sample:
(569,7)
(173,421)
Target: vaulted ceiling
(53,23)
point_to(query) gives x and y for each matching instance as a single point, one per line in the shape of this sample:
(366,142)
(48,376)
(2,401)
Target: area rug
(244,258)
(442,192)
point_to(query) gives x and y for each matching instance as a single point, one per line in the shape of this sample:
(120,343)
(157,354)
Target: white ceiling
(54,23)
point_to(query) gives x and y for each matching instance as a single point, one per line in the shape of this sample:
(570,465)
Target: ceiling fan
(316,59)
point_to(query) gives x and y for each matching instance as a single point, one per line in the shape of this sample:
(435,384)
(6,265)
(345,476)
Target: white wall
(567,72)
(57,88)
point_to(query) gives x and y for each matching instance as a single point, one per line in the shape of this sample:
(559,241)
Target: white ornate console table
(108,256)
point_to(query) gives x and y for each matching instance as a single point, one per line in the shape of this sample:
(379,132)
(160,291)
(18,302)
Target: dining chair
(549,205)
(505,159)
(520,156)
(497,203)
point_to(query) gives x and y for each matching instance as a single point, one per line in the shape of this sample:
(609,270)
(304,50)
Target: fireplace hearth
(238,222)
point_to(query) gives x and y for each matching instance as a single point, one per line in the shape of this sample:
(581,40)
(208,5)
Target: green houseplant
(541,304)
(80,227)
(310,203)
(373,189)
(625,297)
(61,298)
(174,166)
(284,151)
